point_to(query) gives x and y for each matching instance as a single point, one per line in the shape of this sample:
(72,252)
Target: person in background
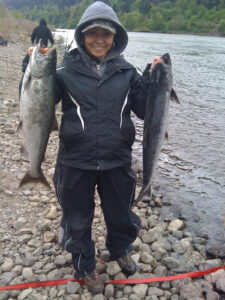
(42,32)
(98,89)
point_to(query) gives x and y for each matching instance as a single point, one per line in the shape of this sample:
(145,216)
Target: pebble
(24,294)
(7,265)
(140,290)
(109,290)
(72,287)
(28,274)
(216,251)
(52,214)
(49,236)
(176,225)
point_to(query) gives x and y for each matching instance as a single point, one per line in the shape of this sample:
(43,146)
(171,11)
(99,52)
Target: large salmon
(37,110)
(156,118)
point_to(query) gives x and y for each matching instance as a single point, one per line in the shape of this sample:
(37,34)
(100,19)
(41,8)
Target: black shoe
(94,283)
(127,265)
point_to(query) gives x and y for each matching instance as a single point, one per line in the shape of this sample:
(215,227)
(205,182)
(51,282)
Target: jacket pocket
(71,129)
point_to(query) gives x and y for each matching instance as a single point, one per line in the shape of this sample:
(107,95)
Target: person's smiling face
(98,41)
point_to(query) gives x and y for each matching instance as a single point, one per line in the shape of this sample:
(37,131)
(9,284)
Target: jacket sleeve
(59,89)
(33,35)
(50,37)
(139,92)
(25,62)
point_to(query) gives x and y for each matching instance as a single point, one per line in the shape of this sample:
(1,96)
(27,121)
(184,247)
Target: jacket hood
(102,11)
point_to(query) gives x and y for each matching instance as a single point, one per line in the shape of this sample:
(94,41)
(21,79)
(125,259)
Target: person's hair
(43,22)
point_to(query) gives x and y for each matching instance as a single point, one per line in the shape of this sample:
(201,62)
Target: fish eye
(166,61)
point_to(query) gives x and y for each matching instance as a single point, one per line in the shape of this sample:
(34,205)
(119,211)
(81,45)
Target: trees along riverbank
(172,16)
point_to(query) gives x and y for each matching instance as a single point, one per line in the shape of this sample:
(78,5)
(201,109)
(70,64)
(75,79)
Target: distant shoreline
(216,34)
(185,33)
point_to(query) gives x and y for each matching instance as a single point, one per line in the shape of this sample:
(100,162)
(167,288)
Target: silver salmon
(37,110)
(156,119)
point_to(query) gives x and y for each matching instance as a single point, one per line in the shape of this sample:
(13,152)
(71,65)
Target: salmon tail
(29,179)
(55,125)
(145,194)
(174,97)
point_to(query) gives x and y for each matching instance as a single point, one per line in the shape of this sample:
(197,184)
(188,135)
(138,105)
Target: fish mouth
(38,59)
(47,53)
(38,55)
(39,50)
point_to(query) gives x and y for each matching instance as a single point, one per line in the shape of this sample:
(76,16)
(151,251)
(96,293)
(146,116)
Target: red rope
(122,281)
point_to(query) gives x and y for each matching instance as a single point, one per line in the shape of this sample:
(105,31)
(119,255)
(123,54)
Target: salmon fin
(174,97)
(55,125)
(166,136)
(19,128)
(28,179)
(145,194)
(24,153)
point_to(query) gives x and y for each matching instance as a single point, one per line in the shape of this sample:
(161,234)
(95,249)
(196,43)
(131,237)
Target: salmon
(156,120)
(37,111)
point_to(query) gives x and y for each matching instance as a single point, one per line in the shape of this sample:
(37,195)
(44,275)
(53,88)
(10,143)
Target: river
(191,168)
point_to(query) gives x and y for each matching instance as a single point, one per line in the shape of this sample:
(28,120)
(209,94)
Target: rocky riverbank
(29,228)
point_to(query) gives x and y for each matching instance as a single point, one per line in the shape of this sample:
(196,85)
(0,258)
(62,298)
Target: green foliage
(18,15)
(2,10)
(134,21)
(157,22)
(221,27)
(194,16)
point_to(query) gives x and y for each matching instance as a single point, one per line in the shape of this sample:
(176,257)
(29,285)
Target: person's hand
(30,50)
(43,50)
(155,61)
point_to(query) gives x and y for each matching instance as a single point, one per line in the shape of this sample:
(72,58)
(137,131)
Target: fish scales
(37,111)
(156,120)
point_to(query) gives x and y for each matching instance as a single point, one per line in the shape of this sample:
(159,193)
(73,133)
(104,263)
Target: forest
(165,16)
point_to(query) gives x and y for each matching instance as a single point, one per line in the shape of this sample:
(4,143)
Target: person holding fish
(99,89)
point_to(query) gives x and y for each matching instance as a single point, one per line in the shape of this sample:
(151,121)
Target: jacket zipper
(99,84)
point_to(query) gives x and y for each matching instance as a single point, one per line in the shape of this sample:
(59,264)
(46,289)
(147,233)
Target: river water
(191,168)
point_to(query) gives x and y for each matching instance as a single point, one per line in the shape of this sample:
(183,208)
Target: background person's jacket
(42,32)
(96,131)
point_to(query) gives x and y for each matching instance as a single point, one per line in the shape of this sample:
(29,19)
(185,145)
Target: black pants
(75,190)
